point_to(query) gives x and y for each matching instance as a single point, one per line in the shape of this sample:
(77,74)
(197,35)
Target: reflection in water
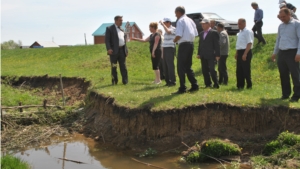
(94,156)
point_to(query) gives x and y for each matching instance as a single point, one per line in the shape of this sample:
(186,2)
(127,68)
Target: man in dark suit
(115,40)
(209,53)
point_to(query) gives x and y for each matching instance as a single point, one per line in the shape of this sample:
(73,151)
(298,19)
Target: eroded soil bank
(139,129)
(165,130)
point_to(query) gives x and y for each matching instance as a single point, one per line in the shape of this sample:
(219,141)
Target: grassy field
(92,63)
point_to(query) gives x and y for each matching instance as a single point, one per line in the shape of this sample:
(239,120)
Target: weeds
(11,162)
(282,152)
(148,153)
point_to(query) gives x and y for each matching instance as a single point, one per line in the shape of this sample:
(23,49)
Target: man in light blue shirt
(288,50)
(258,23)
(185,35)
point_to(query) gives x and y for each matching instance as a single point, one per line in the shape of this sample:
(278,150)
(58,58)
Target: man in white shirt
(169,52)
(115,41)
(243,55)
(185,35)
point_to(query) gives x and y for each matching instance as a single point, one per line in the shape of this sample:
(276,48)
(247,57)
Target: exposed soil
(165,130)
(139,129)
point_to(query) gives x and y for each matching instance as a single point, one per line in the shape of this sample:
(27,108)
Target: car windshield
(212,16)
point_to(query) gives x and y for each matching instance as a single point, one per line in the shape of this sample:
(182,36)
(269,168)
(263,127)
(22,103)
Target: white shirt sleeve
(179,28)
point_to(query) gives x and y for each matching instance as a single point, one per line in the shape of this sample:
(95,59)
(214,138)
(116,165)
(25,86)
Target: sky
(66,21)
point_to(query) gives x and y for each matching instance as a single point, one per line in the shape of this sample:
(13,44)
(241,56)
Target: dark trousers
(209,72)
(257,28)
(121,59)
(288,66)
(161,69)
(168,64)
(243,69)
(222,68)
(184,65)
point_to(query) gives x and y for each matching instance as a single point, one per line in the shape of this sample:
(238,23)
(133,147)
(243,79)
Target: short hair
(243,20)
(180,9)
(117,17)
(285,10)
(220,25)
(212,20)
(154,25)
(254,4)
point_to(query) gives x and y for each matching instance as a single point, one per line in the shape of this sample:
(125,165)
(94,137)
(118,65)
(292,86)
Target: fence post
(62,89)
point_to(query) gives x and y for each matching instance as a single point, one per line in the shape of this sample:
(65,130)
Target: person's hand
(153,55)
(297,58)
(218,58)
(273,57)
(110,52)
(244,57)
(198,56)
(161,22)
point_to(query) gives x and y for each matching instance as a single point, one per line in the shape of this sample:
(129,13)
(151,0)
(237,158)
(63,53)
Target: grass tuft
(11,162)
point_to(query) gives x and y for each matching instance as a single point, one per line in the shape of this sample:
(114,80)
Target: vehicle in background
(230,26)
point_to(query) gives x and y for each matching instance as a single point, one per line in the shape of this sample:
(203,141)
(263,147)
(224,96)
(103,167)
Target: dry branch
(147,164)
(74,161)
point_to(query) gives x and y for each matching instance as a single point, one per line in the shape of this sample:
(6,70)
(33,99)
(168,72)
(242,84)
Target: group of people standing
(213,48)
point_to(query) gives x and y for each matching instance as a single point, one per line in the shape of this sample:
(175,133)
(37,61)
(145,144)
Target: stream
(93,156)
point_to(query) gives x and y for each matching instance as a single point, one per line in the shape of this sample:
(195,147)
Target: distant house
(44,44)
(130,28)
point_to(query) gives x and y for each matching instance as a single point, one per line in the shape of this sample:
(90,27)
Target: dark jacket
(112,40)
(209,48)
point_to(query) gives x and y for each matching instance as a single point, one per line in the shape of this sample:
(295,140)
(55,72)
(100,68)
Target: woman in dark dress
(155,49)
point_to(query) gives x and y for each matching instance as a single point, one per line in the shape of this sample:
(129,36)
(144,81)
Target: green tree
(11,44)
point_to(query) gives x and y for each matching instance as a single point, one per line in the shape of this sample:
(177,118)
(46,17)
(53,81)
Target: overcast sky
(66,21)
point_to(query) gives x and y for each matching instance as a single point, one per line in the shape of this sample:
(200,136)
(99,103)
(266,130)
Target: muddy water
(95,156)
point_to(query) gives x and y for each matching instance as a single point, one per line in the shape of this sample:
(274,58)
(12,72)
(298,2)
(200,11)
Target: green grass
(11,162)
(12,96)
(283,152)
(215,148)
(92,63)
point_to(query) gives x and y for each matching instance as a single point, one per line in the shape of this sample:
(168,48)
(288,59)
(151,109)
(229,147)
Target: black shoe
(172,84)
(216,86)
(284,98)
(208,86)
(293,100)
(113,82)
(240,88)
(193,89)
(167,84)
(179,92)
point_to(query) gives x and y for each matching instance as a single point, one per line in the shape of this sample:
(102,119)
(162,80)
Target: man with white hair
(288,5)
(283,5)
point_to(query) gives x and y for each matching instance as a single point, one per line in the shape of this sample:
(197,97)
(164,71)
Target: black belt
(186,43)
(288,50)
(121,46)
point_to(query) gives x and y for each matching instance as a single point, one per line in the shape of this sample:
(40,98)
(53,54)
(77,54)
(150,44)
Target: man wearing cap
(115,41)
(258,23)
(243,55)
(283,5)
(224,51)
(186,32)
(288,5)
(287,49)
(209,53)
(169,52)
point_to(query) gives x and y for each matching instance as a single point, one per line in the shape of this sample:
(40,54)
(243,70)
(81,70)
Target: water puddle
(93,156)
